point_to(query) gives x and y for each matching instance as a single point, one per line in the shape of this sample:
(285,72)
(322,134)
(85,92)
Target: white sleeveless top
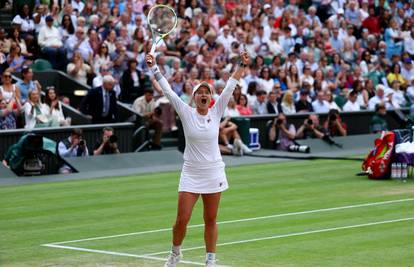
(6,94)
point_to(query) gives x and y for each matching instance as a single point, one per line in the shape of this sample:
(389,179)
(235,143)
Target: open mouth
(203,101)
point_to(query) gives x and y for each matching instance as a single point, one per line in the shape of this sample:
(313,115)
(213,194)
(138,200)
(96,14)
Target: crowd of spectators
(308,56)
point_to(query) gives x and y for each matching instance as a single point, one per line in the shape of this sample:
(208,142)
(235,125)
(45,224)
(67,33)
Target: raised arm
(175,100)
(224,98)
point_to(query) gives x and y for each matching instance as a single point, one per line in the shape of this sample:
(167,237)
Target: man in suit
(100,103)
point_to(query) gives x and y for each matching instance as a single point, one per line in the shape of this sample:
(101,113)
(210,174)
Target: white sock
(176,249)
(210,256)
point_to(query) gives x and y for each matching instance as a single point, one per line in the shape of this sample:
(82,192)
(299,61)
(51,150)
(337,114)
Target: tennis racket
(162,20)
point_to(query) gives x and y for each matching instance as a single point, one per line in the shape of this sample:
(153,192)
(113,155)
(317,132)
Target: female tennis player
(203,170)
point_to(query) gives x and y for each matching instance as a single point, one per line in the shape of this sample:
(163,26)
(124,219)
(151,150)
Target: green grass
(36,214)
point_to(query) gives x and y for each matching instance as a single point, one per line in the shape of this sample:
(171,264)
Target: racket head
(162,20)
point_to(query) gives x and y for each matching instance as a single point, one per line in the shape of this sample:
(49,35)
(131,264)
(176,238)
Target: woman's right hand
(150,60)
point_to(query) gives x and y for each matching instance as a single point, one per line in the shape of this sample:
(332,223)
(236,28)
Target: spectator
(78,69)
(24,18)
(78,42)
(231,110)
(282,134)
(352,104)
(378,122)
(27,84)
(395,74)
(407,70)
(288,103)
(273,106)
(409,43)
(108,144)
(132,83)
(310,128)
(330,100)
(320,105)
(243,106)
(15,60)
(266,81)
(334,125)
(16,38)
(397,96)
(35,112)
(303,104)
(379,98)
(51,44)
(259,106)
(66,28)
(73,146)
(293,78)
(9,110)
(8,90)
(147,108)
(53,108)
(4,42)
(100,103)
(102,58)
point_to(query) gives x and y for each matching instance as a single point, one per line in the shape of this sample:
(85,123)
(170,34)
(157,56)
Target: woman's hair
(70,29)
(17,39)
(291,75)
(285,97)
(245,98)
(252,88)
(48,101)
(100,49)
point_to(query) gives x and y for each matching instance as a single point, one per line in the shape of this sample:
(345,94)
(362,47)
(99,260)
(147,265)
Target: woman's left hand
(245,58)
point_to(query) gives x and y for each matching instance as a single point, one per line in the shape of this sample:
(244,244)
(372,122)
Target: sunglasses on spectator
(7,76)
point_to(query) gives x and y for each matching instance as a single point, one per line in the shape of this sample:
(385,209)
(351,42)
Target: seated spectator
(73,146)
(9,110)
(379,98)
(53,107)
(395,74)
(352,103)
(282,134)
(272,104)
(51,44)
(320,105)
(102,58)
(27,84)
(288,104)
(243,106)
(227,133)
(147,108)
(259,106)
(79,42)
(100,103)
(303,104)
(330,100)
(132,83)
(334,125)
(397,98)
(231,110)
(8,90)
(16,38)
(5,43)
(187,93)
(35,112)
(108,144)
(15,60)
(310,128)
(378,122)
(78,69)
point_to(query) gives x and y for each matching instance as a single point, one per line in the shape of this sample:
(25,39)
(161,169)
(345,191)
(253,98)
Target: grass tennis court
(298,213)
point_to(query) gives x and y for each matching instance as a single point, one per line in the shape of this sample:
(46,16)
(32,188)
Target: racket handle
(151,53)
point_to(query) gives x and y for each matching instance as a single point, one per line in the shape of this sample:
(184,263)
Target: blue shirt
(24,89)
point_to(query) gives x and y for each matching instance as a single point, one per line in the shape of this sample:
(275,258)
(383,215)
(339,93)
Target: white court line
(119,254)
(294,234)
(244,220)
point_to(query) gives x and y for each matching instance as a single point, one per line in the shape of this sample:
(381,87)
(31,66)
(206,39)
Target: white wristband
(155,69)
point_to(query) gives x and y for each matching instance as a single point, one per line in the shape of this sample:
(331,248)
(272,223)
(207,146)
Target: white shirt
(84,48)
(349,106)
(373,101)
(320,106)
(409,45)
(407,74)
(78,5)
(226,41)
(203,169)
(30,118)
(49,37)
(267,85)
(70,152)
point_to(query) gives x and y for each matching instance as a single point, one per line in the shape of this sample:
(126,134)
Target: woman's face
(243,101)
(7,78)
(293,69)
(34,97)
(52,94)
(202,97)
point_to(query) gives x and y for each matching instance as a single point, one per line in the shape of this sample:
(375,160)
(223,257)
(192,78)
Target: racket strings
(162,20)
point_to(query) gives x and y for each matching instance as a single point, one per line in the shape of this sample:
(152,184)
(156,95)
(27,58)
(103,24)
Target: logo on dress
(220,184)
(209,120)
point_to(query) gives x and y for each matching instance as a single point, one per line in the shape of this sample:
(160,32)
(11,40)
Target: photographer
(73,146)
(310,128)
(282,134)
(334,125)
(108,145)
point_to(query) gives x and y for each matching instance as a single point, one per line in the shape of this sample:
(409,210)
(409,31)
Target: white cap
(267,6)
(205,84)
(340,11)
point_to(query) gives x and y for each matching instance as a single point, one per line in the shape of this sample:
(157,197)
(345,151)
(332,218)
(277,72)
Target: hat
(49,18)
(407,60)
(202,84)
(266,6)
(340,11)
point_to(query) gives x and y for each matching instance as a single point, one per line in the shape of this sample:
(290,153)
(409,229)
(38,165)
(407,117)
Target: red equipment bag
(378,162)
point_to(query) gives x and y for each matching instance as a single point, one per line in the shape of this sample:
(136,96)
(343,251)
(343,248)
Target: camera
(332,117)
(113,139)
(309,122)
(279,121)
(82,142)
(299,148)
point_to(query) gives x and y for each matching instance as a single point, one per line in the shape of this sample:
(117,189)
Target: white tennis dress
(203,169)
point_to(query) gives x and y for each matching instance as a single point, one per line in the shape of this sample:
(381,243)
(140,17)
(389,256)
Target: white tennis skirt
(203,177)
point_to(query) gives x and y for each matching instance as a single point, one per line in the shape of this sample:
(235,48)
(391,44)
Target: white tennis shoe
(211,263)
(173,259)
(237,149)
